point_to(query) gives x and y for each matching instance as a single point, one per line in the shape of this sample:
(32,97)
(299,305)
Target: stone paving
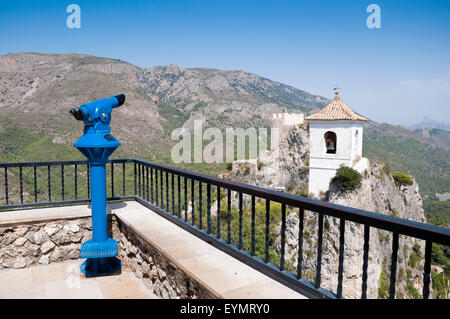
(64,281)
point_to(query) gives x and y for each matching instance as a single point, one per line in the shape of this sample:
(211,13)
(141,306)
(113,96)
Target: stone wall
(30,244)
(158,272)
(286,119)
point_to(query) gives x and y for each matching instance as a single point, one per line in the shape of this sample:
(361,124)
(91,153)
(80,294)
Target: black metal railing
(248,218)
(32,184)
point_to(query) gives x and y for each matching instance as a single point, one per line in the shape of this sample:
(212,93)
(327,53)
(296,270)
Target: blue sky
(396,74)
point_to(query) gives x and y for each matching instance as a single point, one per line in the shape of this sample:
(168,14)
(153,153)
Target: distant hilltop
(430,123)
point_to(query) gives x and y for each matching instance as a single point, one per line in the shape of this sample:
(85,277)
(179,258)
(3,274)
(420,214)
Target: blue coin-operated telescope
(97,144)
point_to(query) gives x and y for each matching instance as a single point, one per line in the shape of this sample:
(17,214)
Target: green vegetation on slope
(429,165)
(402,178)
(437,213)
(347,178)
(17,145)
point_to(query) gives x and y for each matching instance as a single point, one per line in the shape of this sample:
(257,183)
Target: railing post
(6,186)
(300,243)
(341,256)
(139,180)
(427,270)
(62,182)
(21,184)
(393,266)
(253,226)
(365,261)
(319,251)
(35,184)
(185,200)
(179,195)
(156,188)
(193,202)
(240,220)
(266,259)
(151,185)
(229,215)
(76,181)
(208,208)
(161,188)
(200,204)
(167,192)
(218,212)
(283,235)
(173,195)
(135,181)
(123,178)
(148,188)
(50,184)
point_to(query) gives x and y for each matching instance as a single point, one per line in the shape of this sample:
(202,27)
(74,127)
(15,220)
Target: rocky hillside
(436,136)
(37,91)
(409,152)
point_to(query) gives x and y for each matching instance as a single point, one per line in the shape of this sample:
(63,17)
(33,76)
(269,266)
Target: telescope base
(98,249)
(96,267)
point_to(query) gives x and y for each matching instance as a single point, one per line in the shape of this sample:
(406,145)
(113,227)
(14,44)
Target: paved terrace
(63,281)
(220,274)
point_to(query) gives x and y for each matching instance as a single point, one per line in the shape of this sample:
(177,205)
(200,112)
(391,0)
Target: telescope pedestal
(97,144)
(96,267)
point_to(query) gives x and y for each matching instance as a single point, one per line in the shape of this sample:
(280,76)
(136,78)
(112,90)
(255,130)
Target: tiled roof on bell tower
(336,110)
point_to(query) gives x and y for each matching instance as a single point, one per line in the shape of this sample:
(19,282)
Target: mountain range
(38,90)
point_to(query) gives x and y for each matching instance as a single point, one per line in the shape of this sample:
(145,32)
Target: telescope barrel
(84,110)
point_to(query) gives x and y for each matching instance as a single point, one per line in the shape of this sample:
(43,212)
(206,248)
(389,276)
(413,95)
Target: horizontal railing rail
(237,218)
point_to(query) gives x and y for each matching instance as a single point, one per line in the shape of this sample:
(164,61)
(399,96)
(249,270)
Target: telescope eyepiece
(77,113)
(121,99)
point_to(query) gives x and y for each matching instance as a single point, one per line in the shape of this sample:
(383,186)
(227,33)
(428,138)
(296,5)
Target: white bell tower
(335,136)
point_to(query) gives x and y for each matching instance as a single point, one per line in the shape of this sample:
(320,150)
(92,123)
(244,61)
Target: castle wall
(287,119)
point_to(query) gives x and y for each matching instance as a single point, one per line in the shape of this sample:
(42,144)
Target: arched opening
(330,142)
(356,140)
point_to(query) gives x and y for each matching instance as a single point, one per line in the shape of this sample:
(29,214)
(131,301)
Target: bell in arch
(330,142)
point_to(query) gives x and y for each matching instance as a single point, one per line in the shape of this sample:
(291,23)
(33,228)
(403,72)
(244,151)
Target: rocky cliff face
(378,193)
(286,168)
